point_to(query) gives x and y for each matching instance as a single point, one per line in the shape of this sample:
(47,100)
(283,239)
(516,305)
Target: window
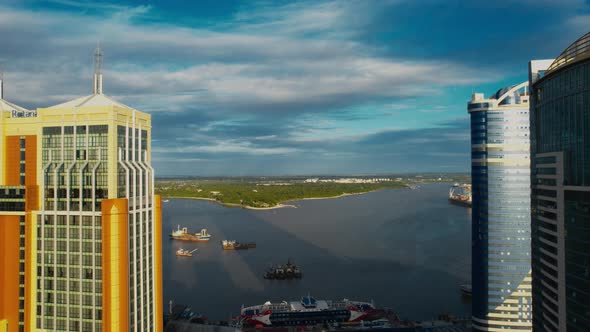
(81,154)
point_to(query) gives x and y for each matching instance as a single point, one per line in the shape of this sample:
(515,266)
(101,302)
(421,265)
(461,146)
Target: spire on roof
(1,83)
(98,71)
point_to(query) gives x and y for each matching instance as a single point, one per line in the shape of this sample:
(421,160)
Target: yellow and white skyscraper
(80,237)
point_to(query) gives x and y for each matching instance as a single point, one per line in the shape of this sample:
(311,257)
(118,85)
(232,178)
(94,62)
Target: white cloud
(270,66)
(248,67)
(229,146)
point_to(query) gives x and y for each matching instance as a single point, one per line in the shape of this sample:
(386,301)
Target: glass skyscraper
(500,168)
(560,124)
(80,226)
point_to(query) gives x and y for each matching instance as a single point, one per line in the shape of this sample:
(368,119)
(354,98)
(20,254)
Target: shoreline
(279,205)
(234,205)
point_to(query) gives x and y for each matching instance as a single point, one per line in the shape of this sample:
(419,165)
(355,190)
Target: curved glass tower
(500,168)
(560,124)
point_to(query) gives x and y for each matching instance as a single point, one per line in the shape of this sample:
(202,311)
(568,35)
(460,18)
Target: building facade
(80,235)
(500,169)
(560,123)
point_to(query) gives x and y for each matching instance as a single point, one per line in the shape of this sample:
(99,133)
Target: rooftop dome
(578,50)
(501,92)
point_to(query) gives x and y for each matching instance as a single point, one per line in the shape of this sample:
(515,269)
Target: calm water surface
(405,249)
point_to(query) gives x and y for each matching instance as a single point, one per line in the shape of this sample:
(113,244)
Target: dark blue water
(404,249)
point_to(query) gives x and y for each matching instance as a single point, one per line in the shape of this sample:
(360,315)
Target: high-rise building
(500,170)
(560,146)
(80,231)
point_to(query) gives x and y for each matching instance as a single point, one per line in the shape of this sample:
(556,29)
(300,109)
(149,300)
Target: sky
(287,87)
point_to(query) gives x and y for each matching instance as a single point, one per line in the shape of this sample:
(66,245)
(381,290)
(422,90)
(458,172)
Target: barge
(234,245)
(184,235)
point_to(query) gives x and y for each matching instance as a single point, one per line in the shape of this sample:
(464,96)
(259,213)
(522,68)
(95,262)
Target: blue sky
(288,87)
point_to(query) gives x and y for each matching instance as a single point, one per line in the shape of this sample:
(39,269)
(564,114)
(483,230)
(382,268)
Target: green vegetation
(264,194)
(268,192)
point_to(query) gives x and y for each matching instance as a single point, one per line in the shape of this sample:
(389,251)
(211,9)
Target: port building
(501,239)
(560,123)
(80,230)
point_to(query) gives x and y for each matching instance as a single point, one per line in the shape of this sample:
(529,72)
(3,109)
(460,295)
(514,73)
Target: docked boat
(284,272)
(308,311)
(234,245)
(184,235)
(184,252)
(460,194)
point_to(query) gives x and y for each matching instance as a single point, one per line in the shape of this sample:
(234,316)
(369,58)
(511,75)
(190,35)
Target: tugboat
(308,312)
(460,194)
(183,235)
(185,253)
(282,272)
(234,245)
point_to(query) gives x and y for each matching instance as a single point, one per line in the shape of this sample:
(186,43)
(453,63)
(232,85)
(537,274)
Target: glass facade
(74,160)
(69,161)
(79,212)
(561,201)
(135,182)
(70,273)
(501,260)
(12,198)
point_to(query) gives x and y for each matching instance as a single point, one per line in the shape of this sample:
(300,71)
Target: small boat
(166,200)
(282,272)
(466,289)
(185,253)
(184,235)
(234,245)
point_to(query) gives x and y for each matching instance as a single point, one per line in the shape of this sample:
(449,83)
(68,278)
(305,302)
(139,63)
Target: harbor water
(404,249)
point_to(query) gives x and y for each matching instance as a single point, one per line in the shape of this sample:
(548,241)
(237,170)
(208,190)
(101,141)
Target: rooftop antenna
(98,71)
(1,83)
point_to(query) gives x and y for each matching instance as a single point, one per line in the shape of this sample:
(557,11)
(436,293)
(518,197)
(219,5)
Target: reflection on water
(404,249)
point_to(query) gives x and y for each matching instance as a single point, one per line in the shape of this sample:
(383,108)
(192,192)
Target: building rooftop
(5,105)
(578,50)
(9,107)
(91,100)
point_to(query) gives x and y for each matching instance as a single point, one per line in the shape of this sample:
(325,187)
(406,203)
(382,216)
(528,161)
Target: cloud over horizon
(295,88)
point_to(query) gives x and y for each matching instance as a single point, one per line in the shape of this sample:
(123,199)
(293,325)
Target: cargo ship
(184,235)
(460,194)
(284,272)
(185,253)
(308,312)
(234,245)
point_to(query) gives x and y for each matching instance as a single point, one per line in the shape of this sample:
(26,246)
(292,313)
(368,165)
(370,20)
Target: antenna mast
(98,71)
(1,83)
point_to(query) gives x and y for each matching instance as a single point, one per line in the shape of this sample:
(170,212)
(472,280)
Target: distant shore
(234,205)
(278,206)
